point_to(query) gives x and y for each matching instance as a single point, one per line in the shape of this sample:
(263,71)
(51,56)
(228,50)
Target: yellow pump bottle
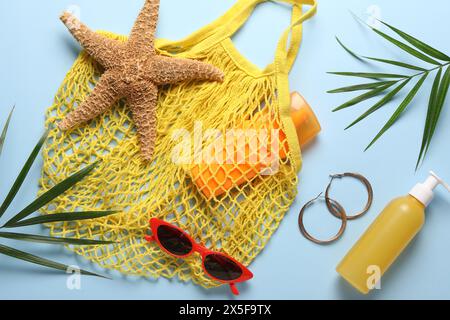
(388,236)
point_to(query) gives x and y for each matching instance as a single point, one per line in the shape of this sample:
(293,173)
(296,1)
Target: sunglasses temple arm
(234,289)
(150,238)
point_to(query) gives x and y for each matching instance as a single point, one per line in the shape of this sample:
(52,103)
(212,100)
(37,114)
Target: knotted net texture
(239,221)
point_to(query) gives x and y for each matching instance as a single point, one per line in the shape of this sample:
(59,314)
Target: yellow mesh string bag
(237,219)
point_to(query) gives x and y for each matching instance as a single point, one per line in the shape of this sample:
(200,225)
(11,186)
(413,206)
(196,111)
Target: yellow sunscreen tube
(388,236)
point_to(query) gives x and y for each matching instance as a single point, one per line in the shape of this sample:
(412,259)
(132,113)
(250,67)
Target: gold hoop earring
(337,208)
(356,176)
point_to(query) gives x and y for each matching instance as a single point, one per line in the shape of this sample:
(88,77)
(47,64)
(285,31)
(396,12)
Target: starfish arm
(143,32)
(173,70)
(102,49)
(104,95)
(143,99)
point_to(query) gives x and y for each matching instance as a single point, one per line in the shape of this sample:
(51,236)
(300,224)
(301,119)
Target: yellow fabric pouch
(239,221)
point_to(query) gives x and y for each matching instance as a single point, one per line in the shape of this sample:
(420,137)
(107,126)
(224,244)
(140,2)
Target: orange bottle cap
(305,120)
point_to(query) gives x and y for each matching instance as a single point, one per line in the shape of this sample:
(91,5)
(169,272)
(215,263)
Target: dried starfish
(133,70)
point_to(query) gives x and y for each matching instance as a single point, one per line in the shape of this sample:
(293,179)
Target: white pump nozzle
(424,191)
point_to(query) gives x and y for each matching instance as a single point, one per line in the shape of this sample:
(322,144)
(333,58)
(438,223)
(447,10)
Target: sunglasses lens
(222,268)
(174,241)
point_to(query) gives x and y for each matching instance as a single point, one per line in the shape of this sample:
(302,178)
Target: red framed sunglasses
(179,244)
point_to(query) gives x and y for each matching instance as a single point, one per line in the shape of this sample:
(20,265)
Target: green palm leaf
(53,193)
(357,56)
(386,99)
(430,115)
(60,217)
(399,44)
(22,175)
(364,86)
(419,44)
(5,130)
(370,75)
(406,48)
(52,240)
(39,203)
(392,62)
(17,254)
(440,100)
(399,110)
(397,63)
(442,95)
(364,97)
(417,49)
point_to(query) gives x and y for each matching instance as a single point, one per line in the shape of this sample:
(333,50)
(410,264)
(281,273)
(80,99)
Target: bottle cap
(424,191)
(305,121)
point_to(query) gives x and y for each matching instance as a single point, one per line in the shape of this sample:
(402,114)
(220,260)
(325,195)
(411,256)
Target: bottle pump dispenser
(388,236)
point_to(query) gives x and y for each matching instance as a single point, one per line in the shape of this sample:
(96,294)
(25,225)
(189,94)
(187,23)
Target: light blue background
(37,51)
